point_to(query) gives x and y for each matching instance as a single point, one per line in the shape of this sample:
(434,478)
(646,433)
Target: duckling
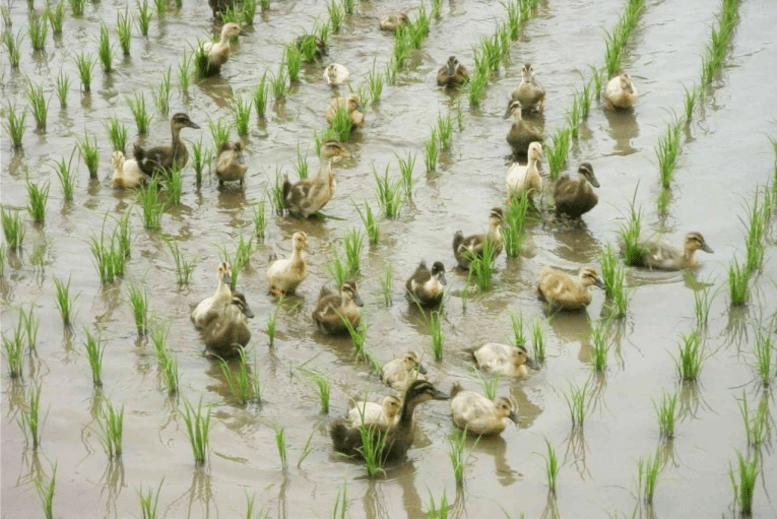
(228,332)
(332,306)
(390,22)
(510,361)
(427,287)
(211,307)
(400,373)
(161,159)
(126,173)
(399,436)
(336,74)
(230,164)
(218,52)
(576,197)
(452,74)
(352,103)
(371,413)
(522,133)
(309,195)
(465,249)
(312,45)
(620,92)
(660,255)
(479,415)
(566,291)
(285,275)
(525,178)
(529,92)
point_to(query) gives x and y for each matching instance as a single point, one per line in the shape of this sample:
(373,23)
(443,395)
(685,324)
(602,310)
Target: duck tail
(286,187)
(271,258)
(139,153)
(458,239)
(456,389)
(341,439)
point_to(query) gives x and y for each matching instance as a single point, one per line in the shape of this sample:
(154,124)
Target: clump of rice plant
(111,422)
(691,98)
(600,350)
(248,12)
(109,255)
(437,334)
(293,59)
(280,441)
(689,360)
(31,421)
(720,39)
(445,131)
(338,269)
(38,29)
(64,301)
(161,94)
(199,159)
(124,30)
(744,488)
(173,183)
(37,198)
(388,193)
(122,235)
(538,341)
(551,467)
(516,325)
(577,402)
(117,134)
(515,218)
(335,15)
(758,428)
(648,469)
(183,267)
(151,204)
(197,429)
(160,7)
(56,16)
(242,110)
(105,49)
(666,411)
(13,347)
(701,306)
(12,45)
(46,493)
(276,193)
(260,97)
(77,6)
(431,151)
(85,64)
(456,455)
(737,283)
(481,267)
(149,502)
(16,125)
(614,277)
(373,448)
(94,353)
(260,220)
(38,104)
(89,153)
(342,124)
(754,249)
(13,228)
(370,224)
(278,84)
(139,112)
(144,17)
(763,351)
(272,320)
(168,365)
(667,150)
(385,286)
(477,87)
(243,384)
(353,242)
(633,251)
(63,86)
(30,326)
(185,72)
(558,151)
(219,131)
(406,166)
(375,82)
(138,300)
(324,388)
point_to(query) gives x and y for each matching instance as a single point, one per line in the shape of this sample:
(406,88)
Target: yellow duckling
(522,133)
(576,197)
(126,173)
(529,92)
(465,249)
(352,104)
(333,308)
(371,413)
(399,373)
(660,255)
(161,159)
(285,275)
(390,22)
(452,74)
(479,415)
(525,178)
(211,307)
(566,291)
(510,361)
(309,195)
(336,74)
(426,287)
(230,164)
(218,51)
(228,332)
(620,92)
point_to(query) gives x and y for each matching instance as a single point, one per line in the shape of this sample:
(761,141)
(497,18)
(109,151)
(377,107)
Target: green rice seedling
(46,493)
(538,341)
(109,256)
(56,16)
(690,357)
(342,124)
(117,134)
(763,350)
(353,242)
(243,384)
(585,100)
(758,428)
(419,29)
(514,235)
(358,334)
(31,422)
(38,30)
(201,61)
(388,193)
(612,52)
(260,220)
(219,131)
(385,286)
(599,352)
(348,6)
(77,6)
(614,277)
(401,49)
(38,104)
(701,307)
(308,448)
(124,30)
(375,82)
(272,320)
(629,233)
(307,46)
(85,65)
(94,353)
(168,364)
(737,283)
(197,429)
(139,112)
(149,502)
(666,411)
(667,149)
(436,8)
(144,17)
(302,164)
(324,387)
(373,448)
(183,268)
(89,153)
(516,325)
(280,441)
(30,326)
(276,193)
(438,512)
(337,268)
(551,467)
(278,84)
(574,117)
(754,249)
(185,72)
(691,98)
(198,161)
(105,49)
(335,15)
(14,350)
(490,385)
(2,260)
(558,151)
(16,125)
(248,12)
(368,219)
(648,469)
(64,302)
(63,86)
(243,254)
(482,267)
(13,228)
(437,334)
(160,7)
(173,182)
(748,471)
(260,97)
(37,198)
(151,205)
(391,71)
(12,45)
(122,235)
(577,402)
(445,131)
(242,110)
(456,455)
(431,151)
(406,167)
(662,202)
(138,300)
(293,59)
(230,14)
(111,422)
(161,94)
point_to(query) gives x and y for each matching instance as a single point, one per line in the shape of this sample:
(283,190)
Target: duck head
(333,148)
(590,277)
(239,300)
(521,356)
(695,241)
(300,241)
(349,291)
(181,120)
(411,361)
(438,270)
(587,171)
(225,273)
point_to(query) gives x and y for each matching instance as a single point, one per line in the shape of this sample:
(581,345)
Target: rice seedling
(138,301)
(37,198)
(30,326)
(38,105)
(151,205)
(139,112)
(123,235)
(335,15)
(490,384)
(219,131)
(701,307)
(551,467)
(168,365)
(197,429)
(348,6)
(667,149)
(341,124)
(243,384)
(629,233)
(401,49)
(276,193)
(737,283)
(12,45)
(648,469)
(375,82)
(173,183)
(538,341)
(388,193)
(89,153)
(201,61)
(77,6)
(436,8)
(438,512)
(515,217)
(324,387)
(31,423)
(689,361)
(14,350)
(558,151)
(437,334)
(293,59)
(38,30)
(373,448)
(2,260)
(272,320)
(117,134)
(242,110)
(108,255)
(149,502)
(577,402)
(278,84)
(161,94)
(64,302)
(185,72)
(691,98)
(516,325)
(160,6)
(13,228)
(199,159)
(482,267)
(599,350)
(431,151)
(353,242)
(406,166)
(748,471)
(63,85)
(456,455)
(385,286)
(105,49)
(612,52)
(111,423)
(445,131)
(94,353)
(260,220)
(666,412)
(56,16)
(419,29)
(85,64)
(280,441)
(763,350)
(46,493)
(758,428)
(260,97)
(183,268)
(614,277)
(754,249)
(124,30)
(574,117)
(230,14)
(337,268)
(144,17)
(16,125)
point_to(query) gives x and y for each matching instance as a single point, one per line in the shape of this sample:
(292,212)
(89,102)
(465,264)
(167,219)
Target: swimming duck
(309,195)
(529,92)
(371,413)
(230,164)
(576,197)
(510,361)
(161,159)
(525,178)
(522,133)
(332,306)
(390,22)
(399,436)
(620,92)
(211,307)
(285,275)
(400,373)
(452,74)
(228,332)
(218,51)
(310,44)
(126,173)
(336,74)
(479,415)
(352,103)
(658,254)
(566,291)
(427,287)
(464,249)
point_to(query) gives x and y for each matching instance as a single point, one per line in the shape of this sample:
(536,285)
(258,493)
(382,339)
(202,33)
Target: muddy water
(726,155)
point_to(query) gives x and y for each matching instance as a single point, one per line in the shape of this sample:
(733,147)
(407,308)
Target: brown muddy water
(726,155)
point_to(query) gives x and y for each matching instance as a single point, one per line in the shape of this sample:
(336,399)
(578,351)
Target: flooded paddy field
(725,164)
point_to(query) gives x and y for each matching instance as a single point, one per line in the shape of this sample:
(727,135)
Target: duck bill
(421,368)
(241,159)
(193,125)
(243,33)
(507,112)
(227,279)
(514,417)
(247,312)
(439,395)
(358,300)
(706,248)
(533,364)
(599,283)
(593,180)
(442,279)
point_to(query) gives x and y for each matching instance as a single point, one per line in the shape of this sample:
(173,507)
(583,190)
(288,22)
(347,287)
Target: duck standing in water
(230,163)
(522,133)
(620,92)
(228,332)
(526,178)
(285,275)
(162,159)
(218,51)
(452,74)
(529,92)
(332,308)
(426,287)
(576,197)
(211,307)
(309,195)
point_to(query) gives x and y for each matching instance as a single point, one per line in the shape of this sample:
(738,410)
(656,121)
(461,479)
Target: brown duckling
(426,287)
(390,22)
(401,372)
(230,164)
(211,307)
(522,133)
(285,275)
(333,308)
(372,413)
(620,92)
(566,291)
(352,104)
(660,255)
(399,436)
(465,249)
(226,334)
(510,361)
(529,92)
(576,197)
(452,74)
(479,415)
(161,159)
(309,195)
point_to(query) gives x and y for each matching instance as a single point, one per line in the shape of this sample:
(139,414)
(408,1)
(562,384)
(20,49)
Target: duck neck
(296,256)
(688,255)
(325,168)
(406,414)
(494,233)
(224,40)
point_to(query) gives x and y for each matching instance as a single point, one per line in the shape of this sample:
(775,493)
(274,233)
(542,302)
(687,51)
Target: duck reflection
(623,128)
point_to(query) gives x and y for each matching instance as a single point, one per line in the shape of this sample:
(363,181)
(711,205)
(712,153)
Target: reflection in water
(690,400)
(551,507)
(199,491)
(282,512)
(573,326)
(576,451)
(34,472)
(374,500)
(113,482)
(736,327)
(495,446)
(623,128)
(575,242)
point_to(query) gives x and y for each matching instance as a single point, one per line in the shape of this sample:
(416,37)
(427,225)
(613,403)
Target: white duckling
(285,275)
(510,361)
(401,372)
(212,307)
(525,178)
(336,74)
(372,413)
(479,415)
(218,51)
(126,172)
(620,92)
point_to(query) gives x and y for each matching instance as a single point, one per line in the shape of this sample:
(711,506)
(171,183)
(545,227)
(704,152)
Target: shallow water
(726,155)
